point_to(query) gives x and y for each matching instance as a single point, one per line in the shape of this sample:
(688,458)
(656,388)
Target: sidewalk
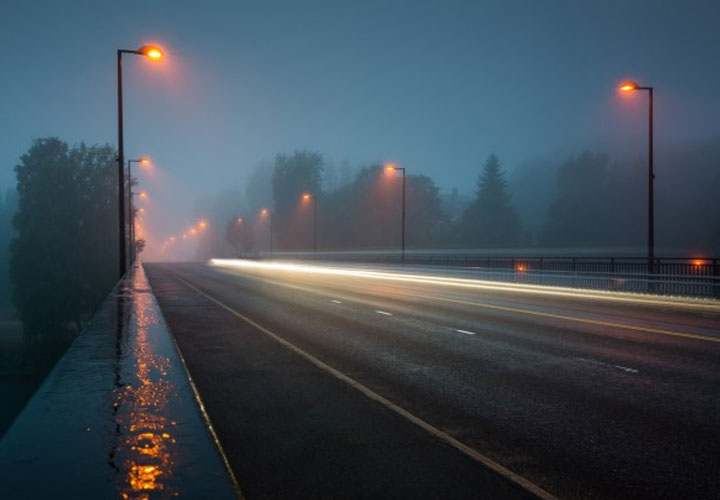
(117,417)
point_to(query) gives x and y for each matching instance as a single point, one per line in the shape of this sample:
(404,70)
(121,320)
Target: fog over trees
(590,201)
(58,237)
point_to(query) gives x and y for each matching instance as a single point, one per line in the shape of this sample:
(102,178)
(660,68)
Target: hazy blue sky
(433,85)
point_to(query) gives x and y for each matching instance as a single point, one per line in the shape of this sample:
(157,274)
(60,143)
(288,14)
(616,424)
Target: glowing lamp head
(151,51)
(202,224)
(145,161)
(697,262)
(306,196)
(389,168)
(264,211)
(193,231)
(628,86)
(239,220)
(142,194)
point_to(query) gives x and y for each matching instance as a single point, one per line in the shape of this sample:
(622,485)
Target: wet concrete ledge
(117,416)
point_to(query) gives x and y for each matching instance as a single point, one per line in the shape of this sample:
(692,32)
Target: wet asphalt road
(582,397)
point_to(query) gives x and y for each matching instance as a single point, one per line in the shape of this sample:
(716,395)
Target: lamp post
(631,87)
(392,169)
(153,53)
(307,197)
(267,213)
(131,214)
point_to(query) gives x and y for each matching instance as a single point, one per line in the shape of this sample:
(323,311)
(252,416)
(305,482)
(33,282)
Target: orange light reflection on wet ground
(145,446)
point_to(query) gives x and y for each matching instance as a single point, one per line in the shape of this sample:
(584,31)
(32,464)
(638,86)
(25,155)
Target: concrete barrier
(117,417)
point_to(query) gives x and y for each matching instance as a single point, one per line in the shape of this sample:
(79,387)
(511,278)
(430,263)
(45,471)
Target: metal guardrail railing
(698,277)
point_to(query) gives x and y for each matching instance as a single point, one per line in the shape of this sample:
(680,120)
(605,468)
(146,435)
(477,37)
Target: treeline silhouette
(588,201)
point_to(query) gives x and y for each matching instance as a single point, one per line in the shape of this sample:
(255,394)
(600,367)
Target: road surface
(333,383)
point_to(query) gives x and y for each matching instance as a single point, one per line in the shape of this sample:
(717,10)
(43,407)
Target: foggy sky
(434,86)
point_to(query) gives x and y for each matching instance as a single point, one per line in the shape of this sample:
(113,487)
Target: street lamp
(131,215)
(631,86)
(151,52)
(307,197)
(391,169)
(267,213)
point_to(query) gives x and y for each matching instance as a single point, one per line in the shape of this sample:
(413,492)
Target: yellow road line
(472,453)
(599,322)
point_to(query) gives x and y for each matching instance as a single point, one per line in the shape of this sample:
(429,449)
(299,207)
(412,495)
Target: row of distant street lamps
(154,52)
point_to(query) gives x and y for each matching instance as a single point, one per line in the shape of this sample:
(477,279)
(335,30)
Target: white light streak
(469,283)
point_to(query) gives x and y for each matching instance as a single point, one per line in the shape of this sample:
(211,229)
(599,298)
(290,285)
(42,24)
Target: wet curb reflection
(116,417)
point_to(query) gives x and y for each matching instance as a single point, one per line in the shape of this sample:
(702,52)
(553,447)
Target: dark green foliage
(8,207)
(491,221)
(367,213)
(293,175)
(578,216)
(64,254)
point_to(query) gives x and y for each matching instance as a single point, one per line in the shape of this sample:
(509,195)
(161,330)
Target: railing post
(716,277)
(572,272)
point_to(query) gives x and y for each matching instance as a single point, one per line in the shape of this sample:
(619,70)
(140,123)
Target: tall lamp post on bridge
(307,198)
(151,52)
(631,86)
(390,169)
(131,214)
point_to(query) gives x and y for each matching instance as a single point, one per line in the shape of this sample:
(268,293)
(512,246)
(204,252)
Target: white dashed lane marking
(384,313)
(336,301)
(609,365)
(466,332)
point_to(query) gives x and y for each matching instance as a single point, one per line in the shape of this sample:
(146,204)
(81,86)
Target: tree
(491,221)
(367,212)
(578,215)
(64,253)
(294,175)
(8,207)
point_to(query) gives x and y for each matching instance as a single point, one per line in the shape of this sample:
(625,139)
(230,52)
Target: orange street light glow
(306,196)
(264,211)
(145,161)
(202,224)
(239,220)
(151,51)
(628,86)
(698,262)
(390,167)
(142,194)
(193,231)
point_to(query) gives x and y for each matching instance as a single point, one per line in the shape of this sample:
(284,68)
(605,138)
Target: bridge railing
(671,276)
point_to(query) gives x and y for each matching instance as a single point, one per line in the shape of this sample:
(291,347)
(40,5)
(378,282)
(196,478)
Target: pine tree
(491,221)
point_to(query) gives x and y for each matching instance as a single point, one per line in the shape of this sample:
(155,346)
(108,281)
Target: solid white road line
(369,393)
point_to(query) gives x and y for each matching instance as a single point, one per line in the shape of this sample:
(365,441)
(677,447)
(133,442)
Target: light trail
(469,283)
